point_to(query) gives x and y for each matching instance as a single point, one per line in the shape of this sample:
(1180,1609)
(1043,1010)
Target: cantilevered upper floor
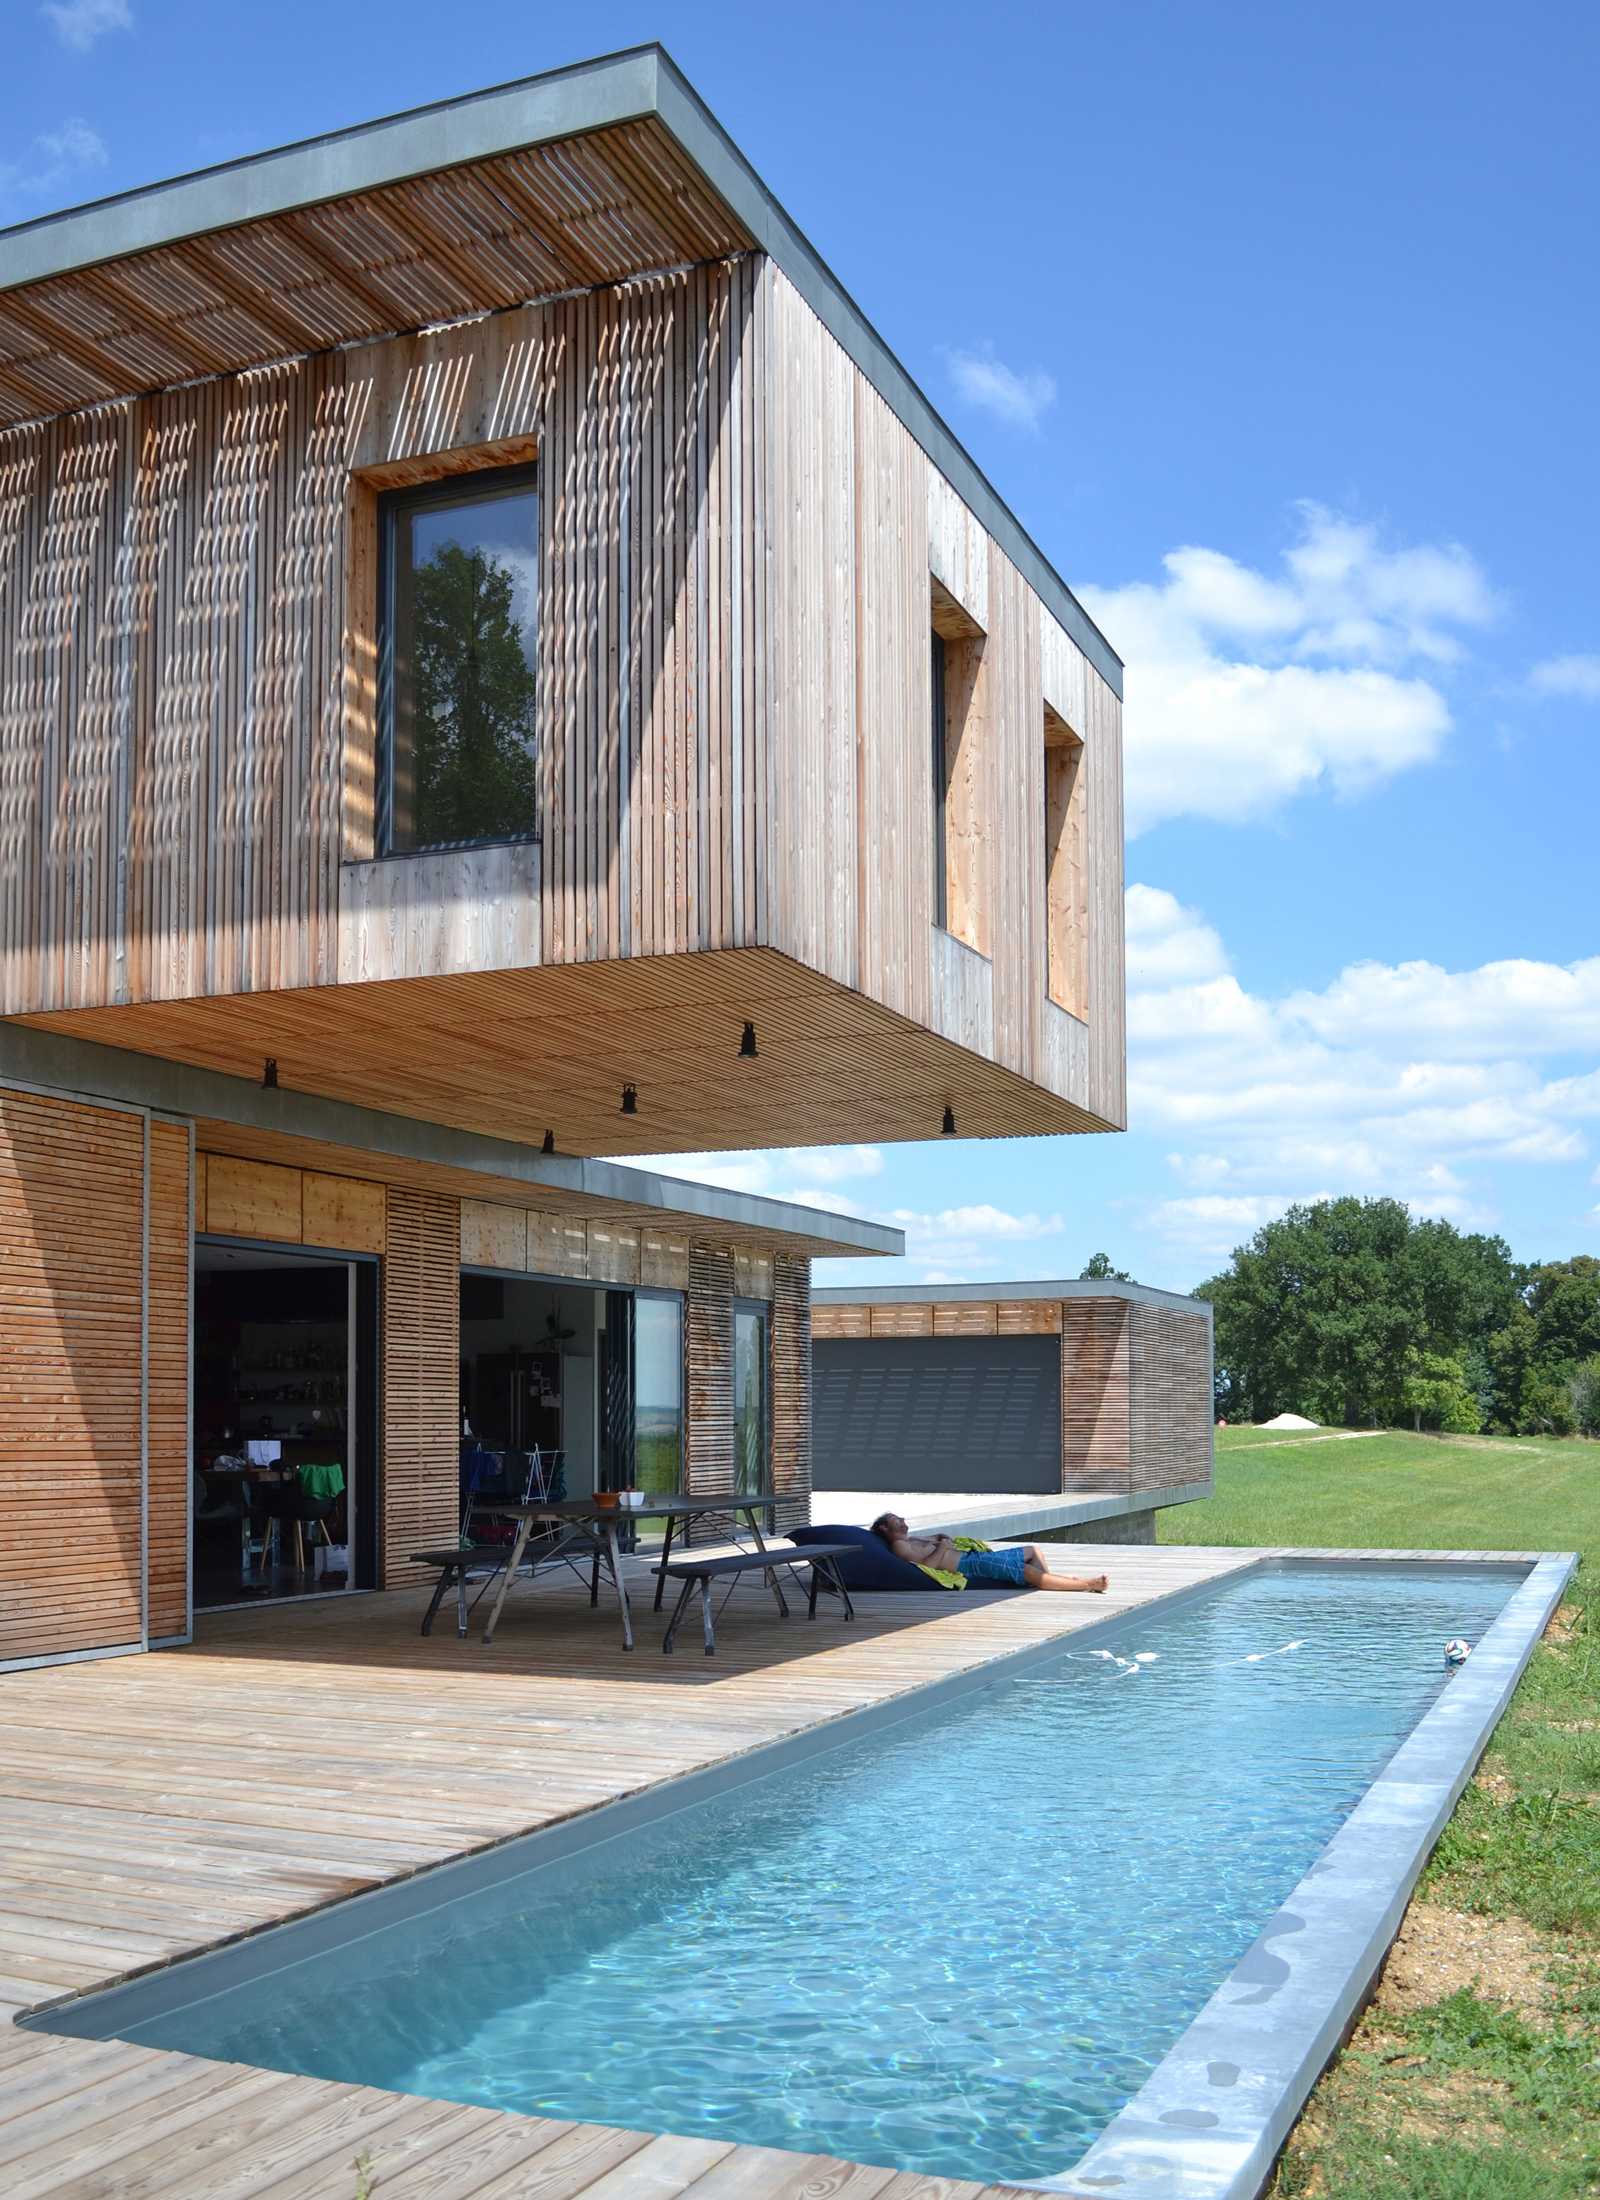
(485,624)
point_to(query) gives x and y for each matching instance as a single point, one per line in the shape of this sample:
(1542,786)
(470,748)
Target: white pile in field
(1290,1420)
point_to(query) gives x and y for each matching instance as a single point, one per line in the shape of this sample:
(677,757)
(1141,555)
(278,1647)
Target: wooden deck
(152,1806)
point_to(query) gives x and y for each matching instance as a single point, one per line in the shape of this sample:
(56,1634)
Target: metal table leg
(771,1576)
(524,1530)
(439,1589)
(666,1553)
(621,1586)
(684,1594)
(705,1607)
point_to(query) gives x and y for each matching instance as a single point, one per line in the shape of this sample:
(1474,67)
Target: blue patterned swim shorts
(1001,1568)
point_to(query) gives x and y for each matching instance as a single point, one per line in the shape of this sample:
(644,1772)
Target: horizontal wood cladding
(261,1199)
(708,1440)
(495,1234)
(1096,1415)
(168,1411)
(791,1391)
(1174,1406)
(421,1379)
(76,1415)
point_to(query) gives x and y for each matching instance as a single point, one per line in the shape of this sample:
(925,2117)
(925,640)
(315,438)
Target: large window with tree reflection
(459,597)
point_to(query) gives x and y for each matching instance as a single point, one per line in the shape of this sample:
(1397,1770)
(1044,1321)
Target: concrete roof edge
(955,1294)
(79,1067)
(587,95)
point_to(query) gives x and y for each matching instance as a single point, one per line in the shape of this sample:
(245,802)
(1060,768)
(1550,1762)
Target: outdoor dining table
(583,1526)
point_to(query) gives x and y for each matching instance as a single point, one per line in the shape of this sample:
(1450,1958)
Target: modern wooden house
(499,666)
(1095,1394)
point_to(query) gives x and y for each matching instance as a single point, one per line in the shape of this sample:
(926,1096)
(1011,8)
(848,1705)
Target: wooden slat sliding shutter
(421,1361)
(708,1317)
(791,1391)
(74,1421)
(169,1480)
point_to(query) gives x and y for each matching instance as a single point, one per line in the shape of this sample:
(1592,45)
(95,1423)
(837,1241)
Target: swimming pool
(959,1944)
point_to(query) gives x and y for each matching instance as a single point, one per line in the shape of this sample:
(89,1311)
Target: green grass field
(1475,2075)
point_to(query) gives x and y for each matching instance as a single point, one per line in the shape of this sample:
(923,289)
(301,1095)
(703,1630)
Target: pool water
(956,1946)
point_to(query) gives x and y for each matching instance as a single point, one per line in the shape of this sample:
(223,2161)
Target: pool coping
(1209,2122)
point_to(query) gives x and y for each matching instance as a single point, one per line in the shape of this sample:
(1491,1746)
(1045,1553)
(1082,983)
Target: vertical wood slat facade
(93,1376)
(739,543)
(187,662)
(866,537)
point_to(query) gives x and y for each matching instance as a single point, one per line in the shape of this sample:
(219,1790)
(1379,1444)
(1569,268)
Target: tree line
(1355,1312)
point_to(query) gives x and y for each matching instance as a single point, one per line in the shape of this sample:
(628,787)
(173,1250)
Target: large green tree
(1331,1310)
(472,702)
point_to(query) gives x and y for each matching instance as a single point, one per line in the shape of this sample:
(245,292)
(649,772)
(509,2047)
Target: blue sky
(1277,327)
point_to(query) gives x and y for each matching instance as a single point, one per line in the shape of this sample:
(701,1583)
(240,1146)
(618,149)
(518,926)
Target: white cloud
(964,1242)
(1246,689)
(1404,1079)
(53,158)
(81,23)
(984,380)
(1575,675)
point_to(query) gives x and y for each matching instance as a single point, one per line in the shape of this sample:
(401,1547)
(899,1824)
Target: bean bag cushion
(870,1564)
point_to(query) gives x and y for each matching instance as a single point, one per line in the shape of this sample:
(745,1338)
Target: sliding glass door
(751,1418)
(658,1392)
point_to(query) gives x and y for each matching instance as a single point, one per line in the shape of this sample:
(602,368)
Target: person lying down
(958,1560)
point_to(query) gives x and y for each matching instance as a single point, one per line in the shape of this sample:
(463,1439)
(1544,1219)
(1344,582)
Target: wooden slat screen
(708,1326)
(421,1378)
(1173,1400)
(791,1391)
(72,1322)
(169,1477)
(1096,1433)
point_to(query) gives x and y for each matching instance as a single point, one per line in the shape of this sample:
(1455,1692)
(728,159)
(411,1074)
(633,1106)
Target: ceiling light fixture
(549,1142)
(630,1099)
(269,1074)
(747,1044)
(948,1128)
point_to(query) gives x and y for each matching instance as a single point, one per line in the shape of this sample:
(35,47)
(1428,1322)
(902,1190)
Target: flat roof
(580,176)
(954,1294)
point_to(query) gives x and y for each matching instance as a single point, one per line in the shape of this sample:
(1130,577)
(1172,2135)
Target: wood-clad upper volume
(750,525)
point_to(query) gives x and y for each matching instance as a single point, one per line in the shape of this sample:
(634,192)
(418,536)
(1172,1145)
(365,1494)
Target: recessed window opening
(1066,866)
(960,811)
(458,633)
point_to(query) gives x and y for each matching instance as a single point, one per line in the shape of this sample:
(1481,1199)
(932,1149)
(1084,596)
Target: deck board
(299,1754)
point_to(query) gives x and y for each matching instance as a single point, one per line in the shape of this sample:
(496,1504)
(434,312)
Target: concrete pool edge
(1210,2121)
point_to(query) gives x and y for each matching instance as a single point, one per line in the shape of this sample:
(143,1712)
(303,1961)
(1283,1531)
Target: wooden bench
(700,1573)
(454,1566)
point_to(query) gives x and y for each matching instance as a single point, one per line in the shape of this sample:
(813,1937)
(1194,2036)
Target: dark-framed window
(752,1394)
(458,616)
(941,786)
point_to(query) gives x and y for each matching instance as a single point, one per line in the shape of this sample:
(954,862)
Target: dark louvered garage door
(937,1413)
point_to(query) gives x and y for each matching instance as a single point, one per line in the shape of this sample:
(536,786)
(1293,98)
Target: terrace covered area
(154,1806)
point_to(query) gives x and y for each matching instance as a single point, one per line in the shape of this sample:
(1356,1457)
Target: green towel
(954,1581)
(321,1481)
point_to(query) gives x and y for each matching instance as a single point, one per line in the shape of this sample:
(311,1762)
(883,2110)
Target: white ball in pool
(1457,1652)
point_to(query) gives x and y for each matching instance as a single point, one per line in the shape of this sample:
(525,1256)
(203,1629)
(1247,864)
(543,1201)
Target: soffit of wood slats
(561,216)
